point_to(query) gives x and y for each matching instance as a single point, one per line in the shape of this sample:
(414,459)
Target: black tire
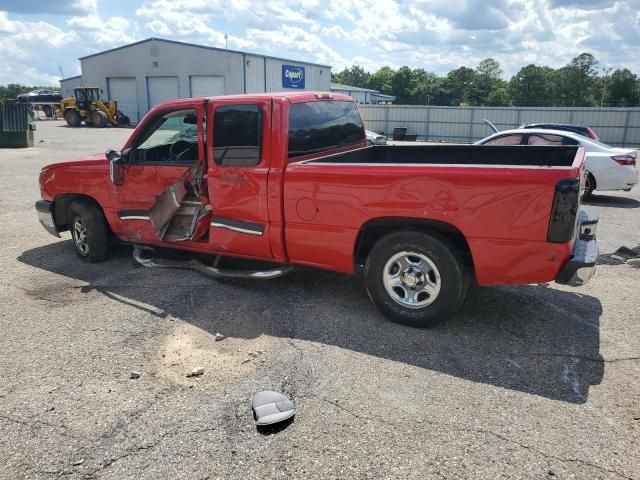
(48,111)
(72,117)
(92,245)
(449,274)
(99,119)
(590,186)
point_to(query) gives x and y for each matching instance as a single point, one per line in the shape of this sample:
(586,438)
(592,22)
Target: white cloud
(105,32)
(436,35)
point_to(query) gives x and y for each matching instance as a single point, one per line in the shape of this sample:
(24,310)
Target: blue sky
(39,36)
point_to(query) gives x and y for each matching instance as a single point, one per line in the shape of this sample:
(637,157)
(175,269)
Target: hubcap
(80,236)
(411,279)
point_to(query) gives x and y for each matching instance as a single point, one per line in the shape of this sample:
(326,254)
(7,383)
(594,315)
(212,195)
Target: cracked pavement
(537,381)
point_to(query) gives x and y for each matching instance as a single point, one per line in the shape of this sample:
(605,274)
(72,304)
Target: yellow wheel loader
(87,106)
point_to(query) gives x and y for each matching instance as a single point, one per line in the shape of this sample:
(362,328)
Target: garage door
(124,91)
(162,89)
(206,86)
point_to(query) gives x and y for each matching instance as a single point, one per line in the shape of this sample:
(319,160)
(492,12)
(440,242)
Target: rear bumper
(45,215)
(582,264)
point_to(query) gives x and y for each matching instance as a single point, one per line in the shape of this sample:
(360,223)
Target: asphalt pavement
(536,381)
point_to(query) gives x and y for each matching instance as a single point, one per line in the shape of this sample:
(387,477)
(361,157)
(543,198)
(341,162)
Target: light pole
(606,72)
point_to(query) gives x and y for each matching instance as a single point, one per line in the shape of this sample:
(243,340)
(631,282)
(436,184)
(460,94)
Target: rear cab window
(322,126)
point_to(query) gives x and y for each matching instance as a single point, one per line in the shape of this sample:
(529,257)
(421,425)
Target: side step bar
(209,271)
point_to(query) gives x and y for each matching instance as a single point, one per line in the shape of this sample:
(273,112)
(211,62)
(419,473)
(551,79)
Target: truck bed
(539,156)
(498,198)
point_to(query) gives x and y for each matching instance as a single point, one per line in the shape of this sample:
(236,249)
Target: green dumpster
(16,125)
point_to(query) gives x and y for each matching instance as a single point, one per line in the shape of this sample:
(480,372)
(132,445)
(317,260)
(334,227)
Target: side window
(172,138)
(324,125)
(543,139)
(237,135)
(506,140)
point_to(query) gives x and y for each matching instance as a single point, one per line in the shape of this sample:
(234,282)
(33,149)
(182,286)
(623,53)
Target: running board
(212,271)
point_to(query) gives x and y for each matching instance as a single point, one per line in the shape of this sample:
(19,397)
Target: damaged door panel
(180,212)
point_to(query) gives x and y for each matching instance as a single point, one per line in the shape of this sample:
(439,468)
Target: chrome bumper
(582,265)
(45,215)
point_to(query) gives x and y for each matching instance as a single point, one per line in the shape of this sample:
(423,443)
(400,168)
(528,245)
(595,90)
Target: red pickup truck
(288,178)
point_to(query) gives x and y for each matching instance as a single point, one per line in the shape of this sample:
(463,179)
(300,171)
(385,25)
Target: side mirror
(116,167)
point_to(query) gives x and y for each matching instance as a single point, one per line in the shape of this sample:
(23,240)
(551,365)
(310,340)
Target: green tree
(531,87)
(423,86)
(499,97)
(356,76)
(459,85)
(622,89)
(382,80)
(401,84)
(575,82)
(488,75)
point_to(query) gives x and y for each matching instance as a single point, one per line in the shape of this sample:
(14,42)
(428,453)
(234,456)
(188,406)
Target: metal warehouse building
(142,74)
(363,95)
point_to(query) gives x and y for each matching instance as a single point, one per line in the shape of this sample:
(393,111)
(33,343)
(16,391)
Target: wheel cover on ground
(411,279)
(79,232)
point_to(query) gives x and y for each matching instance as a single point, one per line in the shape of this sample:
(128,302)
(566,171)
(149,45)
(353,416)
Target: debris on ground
(134,375)
(78,462)
(220,337)
(620,256)
(196,372)
(271,407)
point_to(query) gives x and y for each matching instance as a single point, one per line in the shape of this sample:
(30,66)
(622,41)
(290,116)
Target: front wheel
(72,117)
(415,279)
(89,231)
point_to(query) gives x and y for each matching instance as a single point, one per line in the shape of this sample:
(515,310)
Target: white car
(609,168)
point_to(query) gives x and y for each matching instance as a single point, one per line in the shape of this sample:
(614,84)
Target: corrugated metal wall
(15,117)
(615,126)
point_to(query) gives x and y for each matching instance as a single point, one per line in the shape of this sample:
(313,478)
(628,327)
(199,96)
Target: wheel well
(374,230)
(61,208)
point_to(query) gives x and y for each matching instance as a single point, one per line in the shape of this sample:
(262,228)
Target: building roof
(218,49)
(70,78)
(384,96)
(348,88)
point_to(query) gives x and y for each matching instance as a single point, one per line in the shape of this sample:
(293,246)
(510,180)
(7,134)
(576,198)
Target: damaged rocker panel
(210,271)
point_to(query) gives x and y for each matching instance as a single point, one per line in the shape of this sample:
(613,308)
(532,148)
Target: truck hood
(97,159)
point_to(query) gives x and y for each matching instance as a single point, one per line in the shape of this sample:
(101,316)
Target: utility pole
(604,86)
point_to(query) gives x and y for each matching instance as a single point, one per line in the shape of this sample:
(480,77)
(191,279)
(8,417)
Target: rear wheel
(72,117)
(89,231)
(99,119)
(415,279)
(590,185)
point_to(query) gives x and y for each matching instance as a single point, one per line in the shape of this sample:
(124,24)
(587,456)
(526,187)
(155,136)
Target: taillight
(566,201)
(624,159)
(591,134)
